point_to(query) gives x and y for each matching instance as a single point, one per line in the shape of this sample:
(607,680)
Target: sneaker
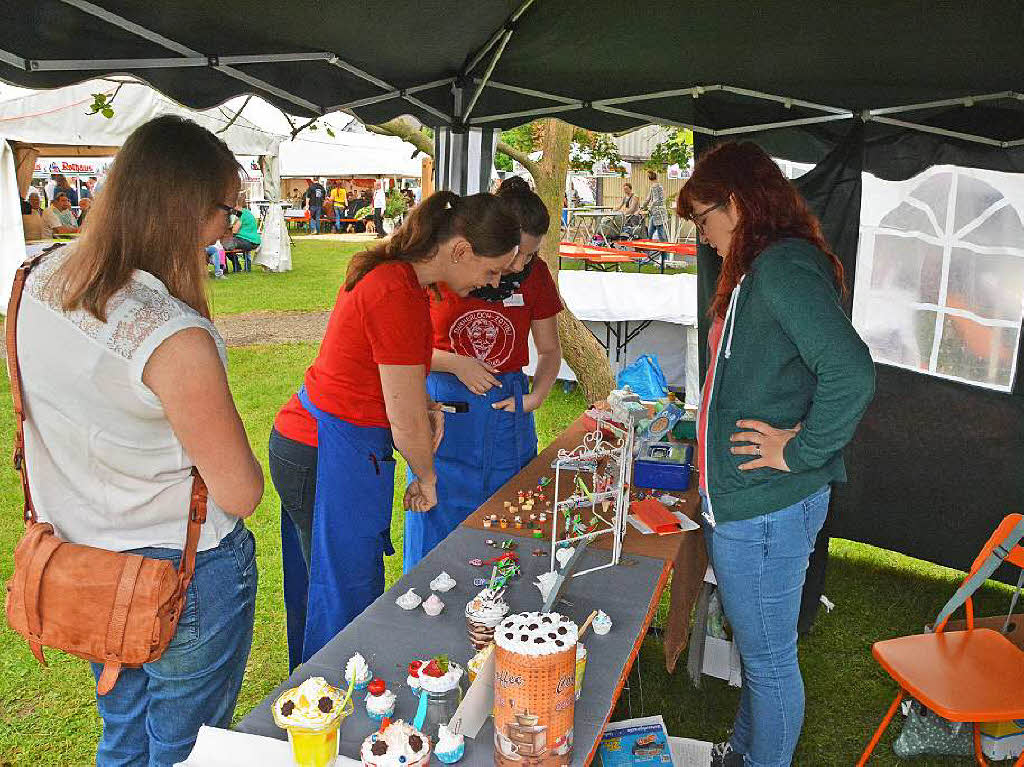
(722,755)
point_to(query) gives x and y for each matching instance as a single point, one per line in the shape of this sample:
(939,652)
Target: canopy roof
(720,67)
(350,154)
(61,117)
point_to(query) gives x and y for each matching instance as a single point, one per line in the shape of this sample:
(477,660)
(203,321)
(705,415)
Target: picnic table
(390,637)
(659,251)
(583,222)
(597,257)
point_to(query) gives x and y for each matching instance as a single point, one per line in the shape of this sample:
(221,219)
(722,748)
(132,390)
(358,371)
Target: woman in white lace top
(126,389)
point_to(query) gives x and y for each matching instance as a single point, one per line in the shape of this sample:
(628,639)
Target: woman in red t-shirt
(480,347)
(331,450)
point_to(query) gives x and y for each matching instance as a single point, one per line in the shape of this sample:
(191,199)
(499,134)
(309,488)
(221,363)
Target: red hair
(769,207)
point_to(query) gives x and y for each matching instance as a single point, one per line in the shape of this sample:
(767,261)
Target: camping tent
(889,88)
(58,123)
(349,155)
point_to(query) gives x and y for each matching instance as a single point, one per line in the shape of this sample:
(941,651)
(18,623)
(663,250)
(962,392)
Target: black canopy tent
(885,87)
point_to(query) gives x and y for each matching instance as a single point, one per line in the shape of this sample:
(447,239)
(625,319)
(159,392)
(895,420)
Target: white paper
(478,702)
(690,753)
(684,521)
(226,748)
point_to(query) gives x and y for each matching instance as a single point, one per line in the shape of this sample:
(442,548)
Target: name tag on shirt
(516,299)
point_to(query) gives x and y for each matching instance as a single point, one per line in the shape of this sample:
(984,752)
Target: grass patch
(312,285)
(48,716)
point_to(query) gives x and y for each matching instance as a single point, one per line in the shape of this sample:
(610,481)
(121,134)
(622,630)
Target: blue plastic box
(670,472)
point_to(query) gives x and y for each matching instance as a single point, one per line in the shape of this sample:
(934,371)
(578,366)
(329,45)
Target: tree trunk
(587,358)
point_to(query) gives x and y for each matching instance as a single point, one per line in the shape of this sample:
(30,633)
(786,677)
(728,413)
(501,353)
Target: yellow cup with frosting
(312,714)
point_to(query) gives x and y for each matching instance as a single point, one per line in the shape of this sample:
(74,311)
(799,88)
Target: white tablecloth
(669,301)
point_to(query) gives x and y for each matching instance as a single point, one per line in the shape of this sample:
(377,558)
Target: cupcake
(442,583)
(602,623)
(433,605)
(410,600)
(451,746)
(413,679)
(439,675)
(380,701)
(397,745)
(357,669)
(483,613)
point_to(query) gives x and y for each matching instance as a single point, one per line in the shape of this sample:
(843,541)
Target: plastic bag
(644,377)
(925,732)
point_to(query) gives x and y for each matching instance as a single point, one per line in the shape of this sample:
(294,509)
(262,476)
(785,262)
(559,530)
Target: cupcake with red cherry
(380,701)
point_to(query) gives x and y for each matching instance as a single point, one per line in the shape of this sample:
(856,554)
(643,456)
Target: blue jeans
(153,714)
(658,229)
(760,565)
(314,219)
(214,255)
(293,472)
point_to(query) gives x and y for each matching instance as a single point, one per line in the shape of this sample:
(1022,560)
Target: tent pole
(478,57)
(962,101)
(526,113)
(653,119)
(937,131)
(694,91)
(137,29)
(783,124)
(487,75)
(74,65)
(785,100)
(528,92)
(18,62)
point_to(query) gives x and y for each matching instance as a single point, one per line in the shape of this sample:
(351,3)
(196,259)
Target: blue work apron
(355,485)
(480,452)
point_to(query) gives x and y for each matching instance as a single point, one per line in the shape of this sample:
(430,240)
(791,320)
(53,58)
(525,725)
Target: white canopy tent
(350,154)
(57,122)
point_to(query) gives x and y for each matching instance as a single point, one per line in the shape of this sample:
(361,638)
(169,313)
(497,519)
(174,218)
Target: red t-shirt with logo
(495,332)
(384,320)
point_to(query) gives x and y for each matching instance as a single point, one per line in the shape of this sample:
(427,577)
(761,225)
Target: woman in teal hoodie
(788,380)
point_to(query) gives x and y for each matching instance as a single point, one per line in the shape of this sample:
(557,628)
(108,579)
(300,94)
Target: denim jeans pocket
(187,633)
(245,552)
(290,480)
(815,508)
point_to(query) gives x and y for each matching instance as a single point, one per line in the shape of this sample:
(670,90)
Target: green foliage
(521,138)
(395,205)
(103,104)
(327,128)
(590,147)
(677,149)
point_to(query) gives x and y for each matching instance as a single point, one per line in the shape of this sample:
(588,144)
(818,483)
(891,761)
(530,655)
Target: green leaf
(442,662)
(107,112)
(329,131)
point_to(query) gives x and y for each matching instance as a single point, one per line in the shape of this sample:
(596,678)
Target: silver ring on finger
(757,450)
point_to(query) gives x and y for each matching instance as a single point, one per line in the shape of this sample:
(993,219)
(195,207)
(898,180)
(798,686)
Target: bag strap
(198,497)
(14,373)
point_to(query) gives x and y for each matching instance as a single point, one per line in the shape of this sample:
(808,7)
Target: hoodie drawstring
(730,315)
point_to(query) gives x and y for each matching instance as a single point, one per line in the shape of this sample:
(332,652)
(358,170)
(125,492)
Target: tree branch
(237,114)
(521,157)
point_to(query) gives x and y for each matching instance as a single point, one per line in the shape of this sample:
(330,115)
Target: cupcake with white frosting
(398,745)
(451,746)
(380,701)
(442,583)
(358,669)
(602,623)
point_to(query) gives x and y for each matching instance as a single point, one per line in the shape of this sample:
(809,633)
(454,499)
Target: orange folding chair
(973,676)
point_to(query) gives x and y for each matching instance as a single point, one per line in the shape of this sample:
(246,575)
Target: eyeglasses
(699,219)
(227,209)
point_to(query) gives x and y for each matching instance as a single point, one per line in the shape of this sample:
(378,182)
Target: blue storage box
(664,466)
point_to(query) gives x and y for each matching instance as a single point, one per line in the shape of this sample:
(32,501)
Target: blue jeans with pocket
(760,565)
(657,229)
(153,714)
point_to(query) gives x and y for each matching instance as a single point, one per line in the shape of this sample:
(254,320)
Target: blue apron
(355,485)
(480,452)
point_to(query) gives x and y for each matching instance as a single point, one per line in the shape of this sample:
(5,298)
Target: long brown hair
(487,224)
(164,184)
(769,206)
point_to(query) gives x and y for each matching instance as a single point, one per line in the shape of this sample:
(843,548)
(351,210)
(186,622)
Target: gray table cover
(389,637)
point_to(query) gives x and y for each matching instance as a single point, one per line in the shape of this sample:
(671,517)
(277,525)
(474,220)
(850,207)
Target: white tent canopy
(60,118)
(349,155)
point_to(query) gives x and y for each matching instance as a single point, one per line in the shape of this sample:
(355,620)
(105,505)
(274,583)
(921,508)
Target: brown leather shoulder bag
(113,608)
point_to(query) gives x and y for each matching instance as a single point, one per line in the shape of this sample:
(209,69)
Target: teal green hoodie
(788,355)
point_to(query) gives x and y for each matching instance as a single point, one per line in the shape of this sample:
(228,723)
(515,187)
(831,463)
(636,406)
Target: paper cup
(581,667)
(314,748)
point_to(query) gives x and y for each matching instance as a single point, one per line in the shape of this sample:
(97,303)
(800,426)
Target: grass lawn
(47,715)
(313,284)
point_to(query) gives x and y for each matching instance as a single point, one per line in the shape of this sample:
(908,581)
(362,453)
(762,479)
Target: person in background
(49,187)
(59,218)
(787,383)
(87,189)
(64,187)
(380,203)
(331,449)
(630,204)
(654,205)
(245,235)
(481,345)
(339,199)
(295,198)
(32,222)
(83,208)
(314,200)
(125,387)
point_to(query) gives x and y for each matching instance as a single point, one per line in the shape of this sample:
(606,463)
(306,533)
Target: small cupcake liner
(380,717)
(450,757)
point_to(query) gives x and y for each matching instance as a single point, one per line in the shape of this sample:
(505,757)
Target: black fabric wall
(935,464)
